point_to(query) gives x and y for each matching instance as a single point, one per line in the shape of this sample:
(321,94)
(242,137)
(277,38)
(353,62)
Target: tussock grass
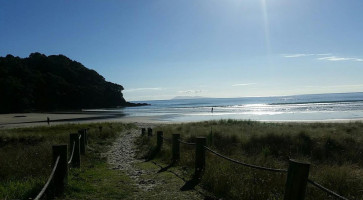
(26,154)
(335,151)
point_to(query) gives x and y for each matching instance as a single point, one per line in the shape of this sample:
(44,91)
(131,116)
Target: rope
(326,190)
(90,148)
(49,179)
(187,143)
(167,139)
(245,164)
(70,159)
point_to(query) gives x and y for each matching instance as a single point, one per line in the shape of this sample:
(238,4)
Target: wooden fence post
(175,147)
(61,172)
(200,154)
(297,178)
(149,132)
(143,131)
(159,140)
(86,136)
(82,142)
(76,161)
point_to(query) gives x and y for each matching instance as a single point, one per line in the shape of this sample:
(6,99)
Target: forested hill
(49,83)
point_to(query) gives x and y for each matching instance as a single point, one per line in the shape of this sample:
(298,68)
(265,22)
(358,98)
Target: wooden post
(200,154)
(61,172)
(175,147)
(82,142)
(159,140)
(149,132)
(143,131)
(76,161)
(297,178)
(86,136)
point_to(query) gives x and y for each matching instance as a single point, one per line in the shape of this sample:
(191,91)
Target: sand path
(122,156)
(146,175)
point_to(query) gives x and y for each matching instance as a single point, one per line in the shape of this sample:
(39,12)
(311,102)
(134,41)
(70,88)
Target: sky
(159,49)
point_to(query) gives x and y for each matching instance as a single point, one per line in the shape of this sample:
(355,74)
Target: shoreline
(20,120)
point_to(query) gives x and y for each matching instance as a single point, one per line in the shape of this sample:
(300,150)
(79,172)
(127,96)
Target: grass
(334,150)
(26,155)
(96,181)
(166,185)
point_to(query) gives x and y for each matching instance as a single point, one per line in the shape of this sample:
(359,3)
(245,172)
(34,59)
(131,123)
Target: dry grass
(334,150)
(26,154)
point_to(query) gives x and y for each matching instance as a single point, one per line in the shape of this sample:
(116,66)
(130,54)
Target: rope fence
(245,164)
(326,189)
(49,180)
(187,143)
(58,176)
(297,173)
(90,148)
(166,139)
(70,159)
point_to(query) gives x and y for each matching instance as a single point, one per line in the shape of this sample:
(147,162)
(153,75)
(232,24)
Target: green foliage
(54,82)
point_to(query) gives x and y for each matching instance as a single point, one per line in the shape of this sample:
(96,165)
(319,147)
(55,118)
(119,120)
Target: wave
(317,102)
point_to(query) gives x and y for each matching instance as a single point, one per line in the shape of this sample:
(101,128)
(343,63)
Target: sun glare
(266,26)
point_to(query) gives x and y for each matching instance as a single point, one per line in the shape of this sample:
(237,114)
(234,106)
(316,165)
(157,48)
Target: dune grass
(26,154)
(335,151)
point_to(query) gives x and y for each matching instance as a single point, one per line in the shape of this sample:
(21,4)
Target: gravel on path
(153,185)
(122,156)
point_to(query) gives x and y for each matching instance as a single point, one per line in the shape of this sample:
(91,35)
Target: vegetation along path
(147,176)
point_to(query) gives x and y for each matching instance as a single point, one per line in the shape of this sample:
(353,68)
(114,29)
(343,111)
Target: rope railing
(187,143)
(166,139)
(245,164)
(59,172)
(49,180)
(297,174)
(326,189)
(70,159)
(90,148)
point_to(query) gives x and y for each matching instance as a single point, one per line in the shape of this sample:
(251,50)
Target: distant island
(189,97)
(53,83)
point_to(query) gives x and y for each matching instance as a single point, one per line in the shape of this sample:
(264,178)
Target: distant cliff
(48,83)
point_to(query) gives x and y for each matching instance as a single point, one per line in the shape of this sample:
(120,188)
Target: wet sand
(40,119)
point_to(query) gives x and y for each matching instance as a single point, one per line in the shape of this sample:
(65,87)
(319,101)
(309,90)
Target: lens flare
(266,26)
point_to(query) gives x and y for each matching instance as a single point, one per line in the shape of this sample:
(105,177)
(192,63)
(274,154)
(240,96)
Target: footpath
(147,176)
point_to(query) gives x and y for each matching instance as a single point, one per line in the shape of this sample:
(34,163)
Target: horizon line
(201,97)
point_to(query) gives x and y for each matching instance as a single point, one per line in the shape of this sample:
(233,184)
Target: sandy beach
(18,120)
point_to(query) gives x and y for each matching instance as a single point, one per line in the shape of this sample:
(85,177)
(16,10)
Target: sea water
(342,106)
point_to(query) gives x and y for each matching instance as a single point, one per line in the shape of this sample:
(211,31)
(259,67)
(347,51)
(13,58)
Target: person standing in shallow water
(211,110)
(48,120)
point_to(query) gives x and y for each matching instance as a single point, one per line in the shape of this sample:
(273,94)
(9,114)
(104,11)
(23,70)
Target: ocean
(340,106)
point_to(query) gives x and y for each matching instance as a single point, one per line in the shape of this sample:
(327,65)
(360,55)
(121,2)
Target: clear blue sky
(214,48)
